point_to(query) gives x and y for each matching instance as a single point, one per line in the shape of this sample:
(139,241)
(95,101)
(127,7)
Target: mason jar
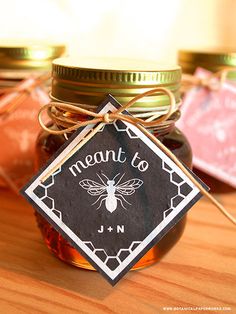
(85,83)
(213,61)
(19,60)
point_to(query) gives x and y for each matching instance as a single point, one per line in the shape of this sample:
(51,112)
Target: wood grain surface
(200,271)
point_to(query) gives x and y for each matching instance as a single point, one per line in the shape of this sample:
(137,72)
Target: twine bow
(213,82)
(55,112)
(12,97)
(99,120)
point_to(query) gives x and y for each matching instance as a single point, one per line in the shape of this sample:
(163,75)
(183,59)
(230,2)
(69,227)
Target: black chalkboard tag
(115,197)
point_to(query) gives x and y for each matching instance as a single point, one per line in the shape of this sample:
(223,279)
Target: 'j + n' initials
(117,229)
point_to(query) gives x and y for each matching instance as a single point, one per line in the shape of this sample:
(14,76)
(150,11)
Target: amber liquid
(48,144)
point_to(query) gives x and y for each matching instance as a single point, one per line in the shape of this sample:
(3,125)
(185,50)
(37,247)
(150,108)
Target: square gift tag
(115,197)
(208,120)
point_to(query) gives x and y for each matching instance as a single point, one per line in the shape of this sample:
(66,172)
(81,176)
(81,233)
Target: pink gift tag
(18,133)
(209,122)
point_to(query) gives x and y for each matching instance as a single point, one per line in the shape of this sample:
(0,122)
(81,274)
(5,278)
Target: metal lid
(29,55)
(89,80)
(211,60)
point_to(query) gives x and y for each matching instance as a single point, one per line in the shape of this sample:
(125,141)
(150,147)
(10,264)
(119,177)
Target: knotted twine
(57,111)
(20,92)
(213,82)
(13,97)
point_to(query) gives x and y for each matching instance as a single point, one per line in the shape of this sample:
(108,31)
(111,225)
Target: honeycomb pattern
(121,127)
(102,129)
(112,262)
(183,189)
(42,192)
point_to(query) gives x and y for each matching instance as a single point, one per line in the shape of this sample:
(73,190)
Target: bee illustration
(111,192)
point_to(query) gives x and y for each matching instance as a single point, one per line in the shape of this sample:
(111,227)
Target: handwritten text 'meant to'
(108,155)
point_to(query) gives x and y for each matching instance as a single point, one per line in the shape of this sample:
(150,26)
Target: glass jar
(21,60)
(88,82)
(20,64)
(213,61)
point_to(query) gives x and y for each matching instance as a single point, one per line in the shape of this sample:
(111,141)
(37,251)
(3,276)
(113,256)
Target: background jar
(85,83)
(213,61)
(18,116)
(20,60)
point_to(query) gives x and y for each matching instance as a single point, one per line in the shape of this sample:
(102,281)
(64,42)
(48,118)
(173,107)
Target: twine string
(15,96)
(10,99)
(55,110)
(213,82)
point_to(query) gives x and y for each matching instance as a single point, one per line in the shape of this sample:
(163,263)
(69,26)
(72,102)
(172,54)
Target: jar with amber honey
(20,60)
(213,61)
(24,85)
(85,83)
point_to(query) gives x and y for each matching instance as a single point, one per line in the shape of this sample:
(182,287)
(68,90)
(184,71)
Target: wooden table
(200,271)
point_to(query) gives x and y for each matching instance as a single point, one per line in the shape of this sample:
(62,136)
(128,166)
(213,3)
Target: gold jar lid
(29,55)
(89,80)
(211,60)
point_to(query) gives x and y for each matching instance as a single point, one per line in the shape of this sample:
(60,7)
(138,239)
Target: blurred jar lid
(214,60)
(29,54)
(89,80)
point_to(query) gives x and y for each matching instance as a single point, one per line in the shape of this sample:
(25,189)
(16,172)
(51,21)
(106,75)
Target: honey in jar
(85,83)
